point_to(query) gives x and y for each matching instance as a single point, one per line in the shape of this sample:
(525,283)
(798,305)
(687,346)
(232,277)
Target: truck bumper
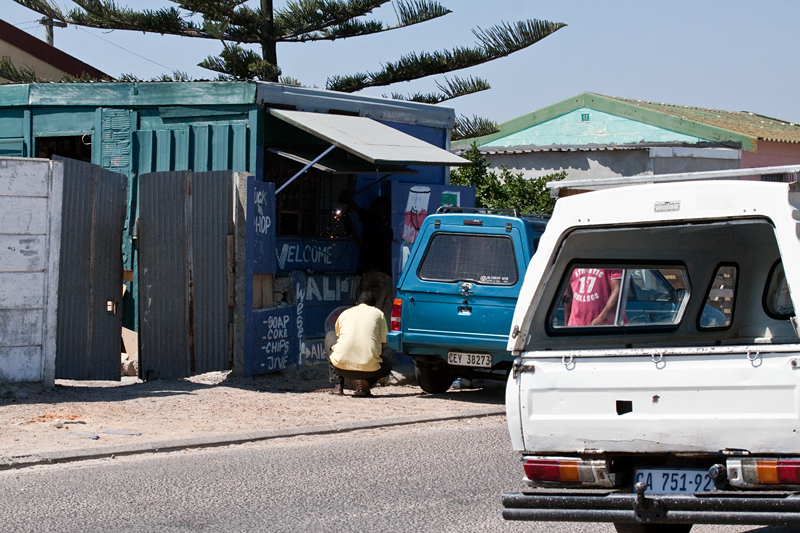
(394,340)
(718,507)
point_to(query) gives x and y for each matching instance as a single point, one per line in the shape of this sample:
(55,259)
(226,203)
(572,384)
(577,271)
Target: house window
(585,117)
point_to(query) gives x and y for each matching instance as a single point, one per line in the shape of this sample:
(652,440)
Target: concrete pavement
(82,454)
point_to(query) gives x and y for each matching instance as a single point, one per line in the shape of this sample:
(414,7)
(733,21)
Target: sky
(733,55)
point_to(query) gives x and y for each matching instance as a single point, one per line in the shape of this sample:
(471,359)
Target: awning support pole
(377,181)
(309,165)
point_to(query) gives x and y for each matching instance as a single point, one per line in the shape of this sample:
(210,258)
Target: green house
(594,136)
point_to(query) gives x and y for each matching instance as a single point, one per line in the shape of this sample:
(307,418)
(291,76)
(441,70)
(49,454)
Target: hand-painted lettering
(262,224)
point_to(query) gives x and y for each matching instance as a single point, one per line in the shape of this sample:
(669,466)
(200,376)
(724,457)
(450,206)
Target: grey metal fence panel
(74,288)
(108,268)
(212,222)
(90,281)
(184,221)
(163,310)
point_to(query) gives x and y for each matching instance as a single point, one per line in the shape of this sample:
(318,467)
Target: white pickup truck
(657,375)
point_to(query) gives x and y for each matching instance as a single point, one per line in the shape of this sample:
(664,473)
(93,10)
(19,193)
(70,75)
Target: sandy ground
(70,416)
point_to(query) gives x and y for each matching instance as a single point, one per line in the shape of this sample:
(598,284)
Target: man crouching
(357,349)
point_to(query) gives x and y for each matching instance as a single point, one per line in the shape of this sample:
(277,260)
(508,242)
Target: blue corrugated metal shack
(137,128)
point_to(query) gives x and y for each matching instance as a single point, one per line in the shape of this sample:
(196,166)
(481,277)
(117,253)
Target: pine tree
(236,25)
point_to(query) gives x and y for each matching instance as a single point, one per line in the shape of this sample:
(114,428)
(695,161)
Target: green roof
(741,127)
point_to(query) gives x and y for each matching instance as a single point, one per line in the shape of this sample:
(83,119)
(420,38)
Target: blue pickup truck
(457,292)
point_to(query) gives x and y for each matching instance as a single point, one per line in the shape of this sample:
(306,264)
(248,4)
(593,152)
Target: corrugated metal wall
(163,277)
(184,223)
(212,222)
(199,148)
(90,281)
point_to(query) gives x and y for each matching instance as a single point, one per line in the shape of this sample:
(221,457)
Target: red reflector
(473,222)
(788,472)
(542,470)
(552,470)
(397,310)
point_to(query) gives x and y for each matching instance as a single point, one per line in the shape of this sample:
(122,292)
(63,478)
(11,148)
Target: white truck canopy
(673,202)
(785,173)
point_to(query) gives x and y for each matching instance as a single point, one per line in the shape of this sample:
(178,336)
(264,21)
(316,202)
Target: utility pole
(48,24)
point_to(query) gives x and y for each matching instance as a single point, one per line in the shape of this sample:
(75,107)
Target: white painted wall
(30,244)
(587,164)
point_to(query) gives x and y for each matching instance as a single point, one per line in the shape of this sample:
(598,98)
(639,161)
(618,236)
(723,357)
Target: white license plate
(469,359)
(674,481)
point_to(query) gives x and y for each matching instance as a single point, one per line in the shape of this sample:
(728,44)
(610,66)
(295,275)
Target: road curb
(85,454)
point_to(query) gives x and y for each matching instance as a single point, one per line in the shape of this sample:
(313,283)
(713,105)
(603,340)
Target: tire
(432,379)
(652,528)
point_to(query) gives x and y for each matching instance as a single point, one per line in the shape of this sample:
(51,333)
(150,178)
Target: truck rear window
(777,300)
(483,259)
(595,296)
(718,311)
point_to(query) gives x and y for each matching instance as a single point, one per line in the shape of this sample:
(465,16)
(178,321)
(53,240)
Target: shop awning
(338,162)
(368,139)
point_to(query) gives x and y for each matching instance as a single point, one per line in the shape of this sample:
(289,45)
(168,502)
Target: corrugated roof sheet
(743,122)
(368,139)
(527,149)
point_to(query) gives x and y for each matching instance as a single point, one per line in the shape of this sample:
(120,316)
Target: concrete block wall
(30,242)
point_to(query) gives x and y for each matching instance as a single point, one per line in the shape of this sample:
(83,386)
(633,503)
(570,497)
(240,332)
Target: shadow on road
(485,392)
(312,379)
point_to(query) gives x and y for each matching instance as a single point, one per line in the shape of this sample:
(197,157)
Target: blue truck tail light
(397,310)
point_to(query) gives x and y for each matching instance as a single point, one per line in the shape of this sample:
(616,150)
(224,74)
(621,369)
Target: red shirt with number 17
(590,292)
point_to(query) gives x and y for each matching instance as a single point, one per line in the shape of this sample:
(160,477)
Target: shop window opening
(309,206)
(77,147)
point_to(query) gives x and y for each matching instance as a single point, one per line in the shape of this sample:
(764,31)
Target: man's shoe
(362,388)
(338,389)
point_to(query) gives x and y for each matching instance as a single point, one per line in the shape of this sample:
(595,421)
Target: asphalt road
(428,477)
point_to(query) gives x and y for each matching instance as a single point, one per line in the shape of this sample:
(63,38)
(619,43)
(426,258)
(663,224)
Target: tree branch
(467,128)
(496,42)
(452,88)
(409,12)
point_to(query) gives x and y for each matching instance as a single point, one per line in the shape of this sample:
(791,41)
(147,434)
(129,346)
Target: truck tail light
(750,472)
(397,310)
(540,470)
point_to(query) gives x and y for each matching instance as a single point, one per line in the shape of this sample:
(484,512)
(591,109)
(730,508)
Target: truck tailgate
(453,320)
(747,401)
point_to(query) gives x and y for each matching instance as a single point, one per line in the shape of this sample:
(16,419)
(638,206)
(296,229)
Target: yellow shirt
(361,331)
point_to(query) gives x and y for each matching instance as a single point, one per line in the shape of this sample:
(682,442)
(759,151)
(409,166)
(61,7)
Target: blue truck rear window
(484,259)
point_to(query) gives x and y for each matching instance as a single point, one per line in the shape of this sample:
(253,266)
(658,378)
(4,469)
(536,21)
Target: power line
(26,22)
(125,49)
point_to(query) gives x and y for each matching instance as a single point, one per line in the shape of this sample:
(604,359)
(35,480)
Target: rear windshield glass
(484,259)
(592,296)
